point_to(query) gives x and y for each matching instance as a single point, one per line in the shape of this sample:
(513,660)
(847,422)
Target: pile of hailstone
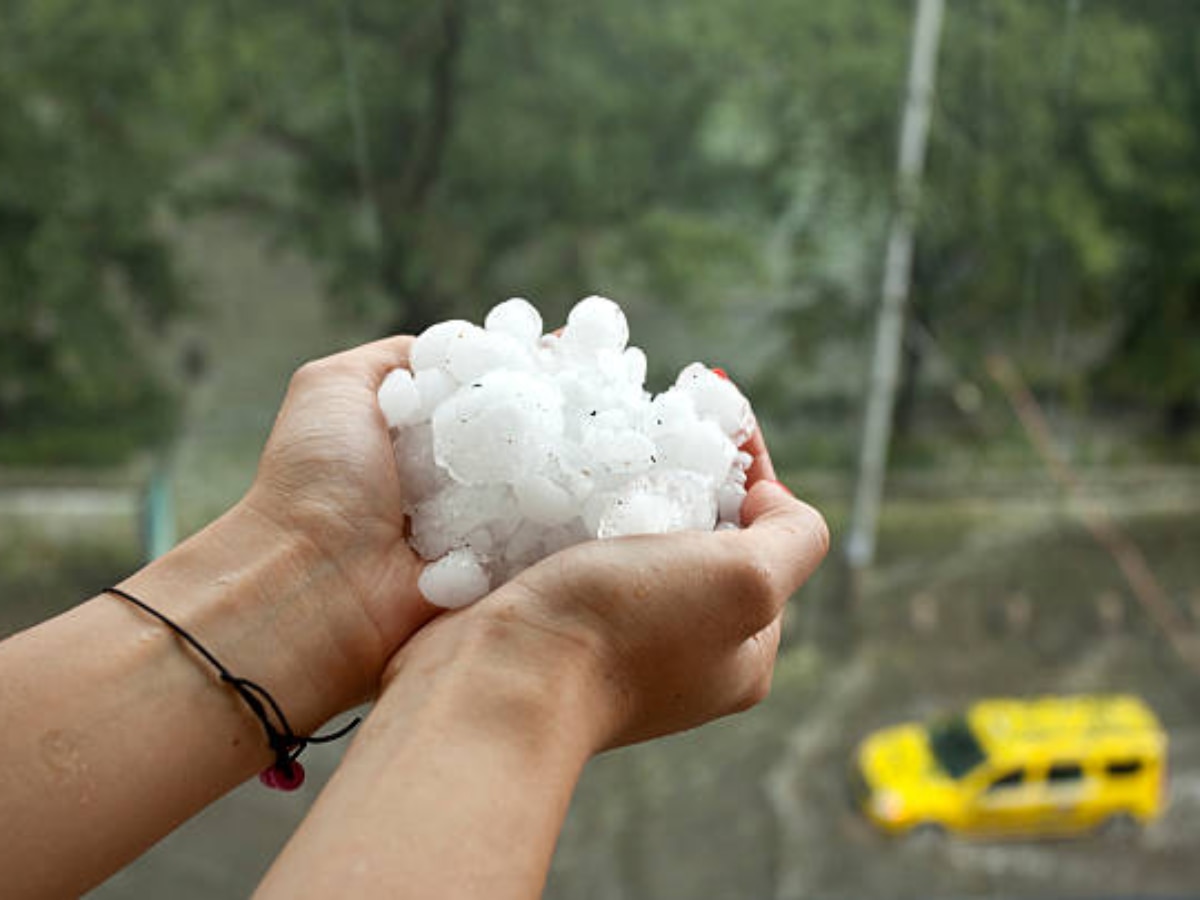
(513,444)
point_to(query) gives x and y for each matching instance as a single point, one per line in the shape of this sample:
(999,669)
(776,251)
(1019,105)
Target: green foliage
(84,275)
(727,173)
(1061,214)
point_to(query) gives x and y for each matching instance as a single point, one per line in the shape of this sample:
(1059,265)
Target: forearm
(457,785)
(113,731)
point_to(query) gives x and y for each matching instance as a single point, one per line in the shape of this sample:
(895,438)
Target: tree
(1057,224)
(1148,163)
(85,277)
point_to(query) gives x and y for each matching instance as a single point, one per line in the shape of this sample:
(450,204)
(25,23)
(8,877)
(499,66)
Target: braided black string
(284,743)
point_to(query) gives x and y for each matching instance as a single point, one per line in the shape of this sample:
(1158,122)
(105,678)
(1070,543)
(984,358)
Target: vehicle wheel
(1121,826)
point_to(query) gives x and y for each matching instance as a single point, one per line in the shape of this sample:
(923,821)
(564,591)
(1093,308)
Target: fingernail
(720,373)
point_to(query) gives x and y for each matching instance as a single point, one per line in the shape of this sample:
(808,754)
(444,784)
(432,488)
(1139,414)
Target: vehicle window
(1061,774)
(1124,767)
(955,746)
(1012,779)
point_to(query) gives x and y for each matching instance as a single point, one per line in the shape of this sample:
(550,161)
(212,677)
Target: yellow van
(1052,765)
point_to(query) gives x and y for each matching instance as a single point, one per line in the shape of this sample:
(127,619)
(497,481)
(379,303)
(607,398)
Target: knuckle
(751,578)
(754,586)
(307,373)
(756,690)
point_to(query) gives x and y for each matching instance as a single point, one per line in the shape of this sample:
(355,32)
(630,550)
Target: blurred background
(951,252)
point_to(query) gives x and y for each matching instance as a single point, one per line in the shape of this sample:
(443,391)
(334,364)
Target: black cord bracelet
(286,773)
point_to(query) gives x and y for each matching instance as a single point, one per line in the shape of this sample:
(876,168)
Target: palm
(328,472)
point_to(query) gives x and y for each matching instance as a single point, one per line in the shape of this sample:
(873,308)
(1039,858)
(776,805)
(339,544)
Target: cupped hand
(664,632)
(328,477)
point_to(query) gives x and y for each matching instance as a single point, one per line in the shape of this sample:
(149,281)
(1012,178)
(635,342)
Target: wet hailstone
(512,444)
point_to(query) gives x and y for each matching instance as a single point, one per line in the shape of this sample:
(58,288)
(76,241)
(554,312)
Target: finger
(374,360)
(762,467)
(749,677)
(763,646)
(787,535)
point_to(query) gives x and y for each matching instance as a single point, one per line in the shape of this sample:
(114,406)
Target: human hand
(459,779)
(327,480)
(647,635)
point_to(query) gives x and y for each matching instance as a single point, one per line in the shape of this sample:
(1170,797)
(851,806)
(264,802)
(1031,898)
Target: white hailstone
(399,399)
(434,386)
(512,445)
(543,501)
(444,521)
(730,497)
(697,446)
(477,352)
(431,349)
(638,513)
(670,411)
(497,428)
(596,323)
(659,503)
(455,580)
(635,365)
(482,541)
(571,469)
(717,398)
(516,318)
(620,453)
(420,476)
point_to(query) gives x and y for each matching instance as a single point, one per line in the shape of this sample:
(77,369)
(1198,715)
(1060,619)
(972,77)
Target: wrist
(267,605)
(458,781)
(505,678)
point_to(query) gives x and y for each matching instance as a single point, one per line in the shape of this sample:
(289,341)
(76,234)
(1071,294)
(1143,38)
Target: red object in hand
(720,373)
(281,779)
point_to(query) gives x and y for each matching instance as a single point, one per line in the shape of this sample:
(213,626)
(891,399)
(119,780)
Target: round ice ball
(596,323)
(477,352)
(399,399)
(698,446)
(717,398)
(455,580)
(431,349)
(497,428)
(517,319)
(434,386)
(634,359)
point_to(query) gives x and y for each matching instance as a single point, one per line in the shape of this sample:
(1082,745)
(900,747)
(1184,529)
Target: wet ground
(755,806)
